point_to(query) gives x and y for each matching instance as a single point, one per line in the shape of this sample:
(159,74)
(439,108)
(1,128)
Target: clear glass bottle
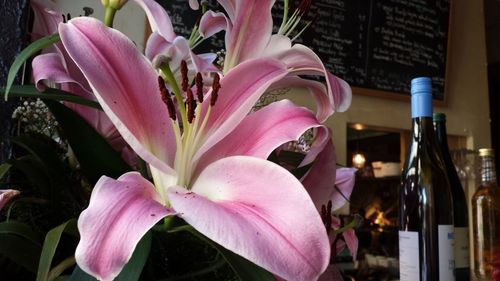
(426,232)
(486,220)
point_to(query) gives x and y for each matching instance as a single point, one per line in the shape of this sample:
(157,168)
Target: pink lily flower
(55,66)
(213,175)
(6,195)
(252,20)
(163,42)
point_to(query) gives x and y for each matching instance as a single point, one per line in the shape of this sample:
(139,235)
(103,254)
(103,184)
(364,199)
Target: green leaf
(246,270)
(34,172)
(49,248)
(30,91)
(131,271)
(19,229)
(4,168)
(25,54)
(94,154)
(19,244)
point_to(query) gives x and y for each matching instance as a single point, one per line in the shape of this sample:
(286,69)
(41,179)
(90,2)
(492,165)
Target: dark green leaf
(19,229)
(34,171)
(94,154)
(4,168)
(29,91)
(246,270)
(49,248)
(131,271)
(44,150)
(19,244)
(25,54)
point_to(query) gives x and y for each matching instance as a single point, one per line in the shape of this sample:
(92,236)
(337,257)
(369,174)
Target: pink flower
(212,173)
(6,195)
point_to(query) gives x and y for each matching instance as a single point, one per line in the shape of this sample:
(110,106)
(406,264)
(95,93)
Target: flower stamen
(199,87)
(215,89)
(165,96)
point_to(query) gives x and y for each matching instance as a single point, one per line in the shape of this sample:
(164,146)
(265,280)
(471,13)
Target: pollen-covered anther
(167,99)
(215,89)
(199,87)
(190,104)
(184,74)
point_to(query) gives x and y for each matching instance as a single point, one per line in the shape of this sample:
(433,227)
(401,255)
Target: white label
(461,247)
(409,263)
(446,241)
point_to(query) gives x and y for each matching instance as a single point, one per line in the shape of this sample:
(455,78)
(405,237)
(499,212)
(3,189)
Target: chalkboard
(377,46)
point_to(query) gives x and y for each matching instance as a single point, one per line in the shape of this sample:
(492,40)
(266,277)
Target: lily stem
(109,16)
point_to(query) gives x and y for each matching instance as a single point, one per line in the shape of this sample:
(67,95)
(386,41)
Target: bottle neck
(441,135)
(488,173)
(422,128)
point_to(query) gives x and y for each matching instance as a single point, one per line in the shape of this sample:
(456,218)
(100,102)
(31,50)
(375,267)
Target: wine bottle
(426,234)
(486,220)
(460,214)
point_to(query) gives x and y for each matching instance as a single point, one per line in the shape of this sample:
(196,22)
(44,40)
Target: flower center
(187,120)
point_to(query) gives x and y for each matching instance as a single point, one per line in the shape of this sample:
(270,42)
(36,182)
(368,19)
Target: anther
(199,87)
(184,73)
(190,104)
(165,96)
(215,89)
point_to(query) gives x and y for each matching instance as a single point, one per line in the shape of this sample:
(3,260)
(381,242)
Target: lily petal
(302,60)
(212,23)
(320,179)
(260,211)
(317,90)
(6,195)
(126,86)
(278,123)
(158,18)
(240,90)
(46,18)
(120,212)
(344,180)
(253,22)
(194,4)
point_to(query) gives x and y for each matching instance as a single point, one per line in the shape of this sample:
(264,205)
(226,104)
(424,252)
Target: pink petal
(317,90)
(352,242)
(194,4)
(345,179)
(158,18)
(240,90)
(278,123)
(302,60)
(6,195)
(258,210)
(51,68)
(212,23)
(126,86)
(320,179)
(250,33)
(46,18)
(120,212)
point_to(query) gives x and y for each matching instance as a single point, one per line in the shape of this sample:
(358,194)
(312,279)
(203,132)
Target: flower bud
(115,4)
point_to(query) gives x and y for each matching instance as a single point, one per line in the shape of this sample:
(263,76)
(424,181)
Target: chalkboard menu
(377,46)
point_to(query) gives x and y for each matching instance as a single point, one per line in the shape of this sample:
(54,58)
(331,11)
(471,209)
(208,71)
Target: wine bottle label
(409,263)
(446,240)
(461,247)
